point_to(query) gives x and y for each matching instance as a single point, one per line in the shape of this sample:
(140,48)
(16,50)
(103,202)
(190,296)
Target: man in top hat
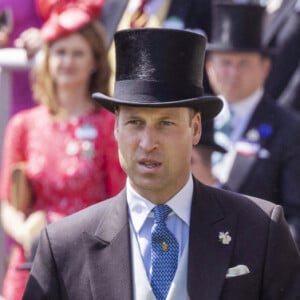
(264,139)
(282,32)
(166,235)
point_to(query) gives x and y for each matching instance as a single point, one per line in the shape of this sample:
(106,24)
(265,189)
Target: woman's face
(71,61)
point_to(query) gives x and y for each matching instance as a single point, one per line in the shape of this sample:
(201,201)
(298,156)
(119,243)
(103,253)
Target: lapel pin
(224,237)
(265,131)
(253,135)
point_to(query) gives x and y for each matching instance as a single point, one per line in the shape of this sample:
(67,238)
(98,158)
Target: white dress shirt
(142,219)
(242,112)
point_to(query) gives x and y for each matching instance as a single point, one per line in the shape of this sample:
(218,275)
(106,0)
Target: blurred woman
(66,142)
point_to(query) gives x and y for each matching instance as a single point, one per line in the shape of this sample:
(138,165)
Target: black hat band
(149,91)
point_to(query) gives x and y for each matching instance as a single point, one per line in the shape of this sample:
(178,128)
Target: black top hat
(237,27)
(160,68)
(207,138)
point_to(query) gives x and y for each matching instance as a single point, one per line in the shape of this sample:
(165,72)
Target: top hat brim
(212,145)
(209,106)
(221,48)
(219,148)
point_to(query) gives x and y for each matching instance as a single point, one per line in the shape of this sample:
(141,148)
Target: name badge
(86,132)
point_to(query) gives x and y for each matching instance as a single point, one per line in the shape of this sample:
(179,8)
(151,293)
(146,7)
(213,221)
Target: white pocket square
(238,270)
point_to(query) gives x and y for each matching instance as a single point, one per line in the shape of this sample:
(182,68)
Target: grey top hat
(160,68)
(237,27)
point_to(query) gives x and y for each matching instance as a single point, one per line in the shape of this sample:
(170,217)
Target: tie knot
(160,213)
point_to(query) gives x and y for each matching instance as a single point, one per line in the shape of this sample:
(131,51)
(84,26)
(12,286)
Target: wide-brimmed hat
(62,17)
(158,67)
(237,27)
(207,138)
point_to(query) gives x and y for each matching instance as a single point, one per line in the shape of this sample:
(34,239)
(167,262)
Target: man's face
(155,147)
(235,75)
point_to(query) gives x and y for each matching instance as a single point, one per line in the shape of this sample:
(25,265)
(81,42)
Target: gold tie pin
(164,246)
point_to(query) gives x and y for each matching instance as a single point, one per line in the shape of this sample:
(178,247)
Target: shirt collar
(244,108)
(140,207)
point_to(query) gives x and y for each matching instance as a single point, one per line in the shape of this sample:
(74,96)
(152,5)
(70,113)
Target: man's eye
(167,123)
(134,122)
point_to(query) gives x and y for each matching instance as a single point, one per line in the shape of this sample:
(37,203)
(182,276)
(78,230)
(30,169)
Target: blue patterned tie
(164,253)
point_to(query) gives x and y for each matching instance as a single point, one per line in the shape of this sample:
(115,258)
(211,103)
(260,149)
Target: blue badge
(86,132)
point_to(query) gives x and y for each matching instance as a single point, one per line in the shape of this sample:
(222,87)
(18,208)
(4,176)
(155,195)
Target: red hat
(62,17)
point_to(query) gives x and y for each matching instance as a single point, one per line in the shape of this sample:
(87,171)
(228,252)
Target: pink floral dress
(71,165)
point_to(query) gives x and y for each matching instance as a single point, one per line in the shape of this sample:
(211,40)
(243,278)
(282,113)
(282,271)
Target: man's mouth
(150,163)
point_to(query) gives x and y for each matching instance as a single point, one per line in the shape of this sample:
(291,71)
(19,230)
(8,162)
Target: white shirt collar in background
(242,112)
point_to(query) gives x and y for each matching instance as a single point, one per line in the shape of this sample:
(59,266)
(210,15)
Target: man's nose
(149,139)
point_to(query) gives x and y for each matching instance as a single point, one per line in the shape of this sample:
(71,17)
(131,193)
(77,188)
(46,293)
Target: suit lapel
(108,251)
(243,164)
(209,258)
(239,171)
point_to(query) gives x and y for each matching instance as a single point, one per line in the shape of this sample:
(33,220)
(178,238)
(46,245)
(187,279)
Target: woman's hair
(43,85)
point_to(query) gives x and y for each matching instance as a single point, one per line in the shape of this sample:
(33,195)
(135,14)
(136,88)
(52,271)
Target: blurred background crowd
(58,153)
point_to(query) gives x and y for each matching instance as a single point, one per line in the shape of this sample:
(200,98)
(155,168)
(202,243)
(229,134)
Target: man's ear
(211,74)
(267,64)
(197,128)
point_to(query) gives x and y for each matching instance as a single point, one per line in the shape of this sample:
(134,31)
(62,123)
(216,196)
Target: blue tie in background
(164,253)
(225,125)
(223,130)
